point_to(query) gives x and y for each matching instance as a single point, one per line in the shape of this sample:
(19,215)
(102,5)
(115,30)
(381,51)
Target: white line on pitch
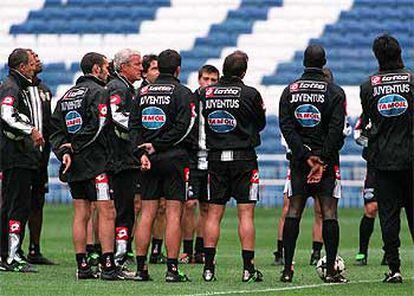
(279,289)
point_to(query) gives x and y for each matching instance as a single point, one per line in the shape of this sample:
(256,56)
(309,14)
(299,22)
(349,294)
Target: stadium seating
(348,41)
(273,33)
(89,17)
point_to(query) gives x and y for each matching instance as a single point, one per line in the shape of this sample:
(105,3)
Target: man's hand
(317,168)
(145,163)
(67,161)
(37,138)
(148,148)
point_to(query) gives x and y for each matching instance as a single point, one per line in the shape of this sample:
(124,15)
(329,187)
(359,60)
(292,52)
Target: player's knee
(190,205)
(137,204)
(330,215)
(107,210)
(161,208)
(204,209)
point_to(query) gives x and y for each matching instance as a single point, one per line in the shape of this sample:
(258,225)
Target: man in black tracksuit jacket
(124,166)
(198,182)
(312,118)
(79,141)
(388,100)
(234,115)
(160,121)
(362,131)
(21,145)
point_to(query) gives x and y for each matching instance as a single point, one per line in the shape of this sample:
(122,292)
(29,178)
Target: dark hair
(147,60)
(17,57)
(387,50)
(314,56)
(235,64)
(208,69)
(91,59)
(168,61)
(327,73)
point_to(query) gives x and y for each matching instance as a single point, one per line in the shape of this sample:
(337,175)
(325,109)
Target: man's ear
(96,69)
(243,74)
(177,71)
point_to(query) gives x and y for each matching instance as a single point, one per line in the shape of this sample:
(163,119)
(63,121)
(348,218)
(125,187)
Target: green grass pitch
(60,280)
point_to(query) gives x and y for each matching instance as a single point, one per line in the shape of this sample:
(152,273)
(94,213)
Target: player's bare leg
(158,232)
(93,247)
(143,237)
(79,233)
(211,237)
(247,236)
(199,245)
(278,260)
(188,225)
(366,228)
(317,240)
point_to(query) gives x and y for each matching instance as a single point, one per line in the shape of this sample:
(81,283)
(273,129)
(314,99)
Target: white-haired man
(123,165)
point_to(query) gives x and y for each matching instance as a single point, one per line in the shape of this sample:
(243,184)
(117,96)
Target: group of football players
(142,160)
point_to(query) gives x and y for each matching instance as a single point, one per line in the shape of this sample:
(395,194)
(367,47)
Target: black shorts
(368,193)
(96,189)
(238,179)
(198,185)
(330,185)
(138,186)
(168,176)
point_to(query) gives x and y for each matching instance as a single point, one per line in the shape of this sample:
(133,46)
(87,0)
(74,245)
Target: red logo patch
(101,179)
(209,92)
(144,90)
(115,100)
(255,177)
(375,80)
(9,101)
(121,233)
(337,172)
(186,174)
(14,226)
(103,110)
(294,87)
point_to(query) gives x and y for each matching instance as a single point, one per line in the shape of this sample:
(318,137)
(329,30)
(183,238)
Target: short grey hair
(123,56)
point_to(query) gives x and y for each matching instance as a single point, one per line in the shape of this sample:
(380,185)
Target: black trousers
(394,192)
(16,202)
(123,185)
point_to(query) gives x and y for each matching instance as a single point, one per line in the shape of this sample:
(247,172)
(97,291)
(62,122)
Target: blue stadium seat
(349,40)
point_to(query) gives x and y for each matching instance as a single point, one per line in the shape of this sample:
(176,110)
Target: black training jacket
(312,117)
(387,99)
(80,119)
(163,114)
(122,94)
(21,111)
(234,114)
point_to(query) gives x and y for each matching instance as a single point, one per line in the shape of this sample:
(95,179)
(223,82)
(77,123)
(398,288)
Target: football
(321,266)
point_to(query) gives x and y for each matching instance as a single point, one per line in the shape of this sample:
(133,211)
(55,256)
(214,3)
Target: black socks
(330,234)
(290,236)
(366,227)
